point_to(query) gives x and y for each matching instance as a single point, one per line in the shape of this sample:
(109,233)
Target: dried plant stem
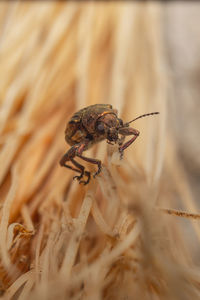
(81,221)
(179,213)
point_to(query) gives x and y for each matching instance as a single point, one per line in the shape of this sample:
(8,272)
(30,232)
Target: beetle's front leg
(82,168)
(69,156)
(125,132)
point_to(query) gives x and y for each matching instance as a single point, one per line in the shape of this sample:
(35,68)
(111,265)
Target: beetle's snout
(112,134)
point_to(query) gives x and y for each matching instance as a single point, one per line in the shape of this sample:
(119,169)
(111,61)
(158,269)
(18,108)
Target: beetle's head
(108,125)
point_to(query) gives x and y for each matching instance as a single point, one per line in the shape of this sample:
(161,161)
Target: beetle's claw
(97,173)
(78,177)
(88,179)
(83,182)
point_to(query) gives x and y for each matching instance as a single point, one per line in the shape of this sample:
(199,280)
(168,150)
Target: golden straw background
(120,237)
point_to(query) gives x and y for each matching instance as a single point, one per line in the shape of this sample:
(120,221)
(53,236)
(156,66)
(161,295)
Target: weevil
(91,125)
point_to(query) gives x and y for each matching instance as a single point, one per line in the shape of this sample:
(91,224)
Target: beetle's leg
(63,162)
(127,131)
(87,173)
(79,166)
(82,168)
(109,142)
(93,161)
(71,153)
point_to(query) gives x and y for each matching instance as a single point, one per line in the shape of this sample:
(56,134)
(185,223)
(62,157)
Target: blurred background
(57,57)
(181,38)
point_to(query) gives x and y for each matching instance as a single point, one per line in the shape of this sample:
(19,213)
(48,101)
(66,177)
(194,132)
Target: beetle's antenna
(142,116)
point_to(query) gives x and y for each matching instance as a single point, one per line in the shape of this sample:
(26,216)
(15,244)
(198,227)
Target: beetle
(91,125)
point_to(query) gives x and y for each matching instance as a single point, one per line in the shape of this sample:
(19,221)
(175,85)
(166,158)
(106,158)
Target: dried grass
(107,240)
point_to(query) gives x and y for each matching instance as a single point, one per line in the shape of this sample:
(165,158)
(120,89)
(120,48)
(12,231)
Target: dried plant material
(180,213)
(110,239)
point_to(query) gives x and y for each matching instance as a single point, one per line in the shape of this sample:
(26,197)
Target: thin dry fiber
(110,239)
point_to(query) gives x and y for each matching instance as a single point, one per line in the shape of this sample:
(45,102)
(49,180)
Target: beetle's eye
(100,127)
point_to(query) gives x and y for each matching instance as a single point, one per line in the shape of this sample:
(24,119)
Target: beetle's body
(91,125)
(82,124)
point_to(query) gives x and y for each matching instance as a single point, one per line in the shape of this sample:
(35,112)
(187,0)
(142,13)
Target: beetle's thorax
(111,125)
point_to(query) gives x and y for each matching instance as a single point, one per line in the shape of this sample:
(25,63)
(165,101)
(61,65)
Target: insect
(91,125)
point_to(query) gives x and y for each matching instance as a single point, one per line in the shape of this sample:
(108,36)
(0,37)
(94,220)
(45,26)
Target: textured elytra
(82,123)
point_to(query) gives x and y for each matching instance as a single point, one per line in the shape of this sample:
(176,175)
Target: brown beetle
(91,125)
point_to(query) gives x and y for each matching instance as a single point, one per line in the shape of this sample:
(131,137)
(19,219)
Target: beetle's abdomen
(74,134)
